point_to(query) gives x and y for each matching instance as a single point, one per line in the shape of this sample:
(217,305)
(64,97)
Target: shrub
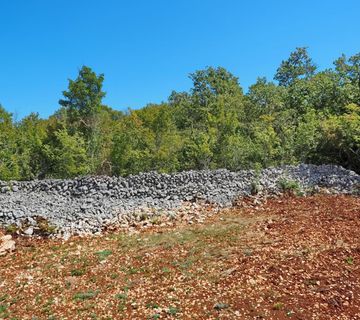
(287,185)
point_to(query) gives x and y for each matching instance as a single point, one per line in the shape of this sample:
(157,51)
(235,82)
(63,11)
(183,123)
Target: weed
(248,252)
(88,306)
(152,305)
(143,216)
(67,285)
(4,314)
(278,306)
(155,220)
(121,307)
(44,226)
(3,308)
(349,260)
(93,316)
(77,272)
(46,309)
(121,296)
(255,187)
(173,311)
(287,185)
(356,189)
(114,276)
(102,255)
(255,183)
(131,270)
(12,228)
(166,270)
(81,296)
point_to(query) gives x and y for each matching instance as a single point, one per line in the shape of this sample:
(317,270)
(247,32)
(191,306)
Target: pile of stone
(89,204)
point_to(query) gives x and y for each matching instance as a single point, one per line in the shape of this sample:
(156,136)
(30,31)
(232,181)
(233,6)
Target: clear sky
(146,49)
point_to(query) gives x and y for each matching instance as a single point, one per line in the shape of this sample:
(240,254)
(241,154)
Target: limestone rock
(6,244)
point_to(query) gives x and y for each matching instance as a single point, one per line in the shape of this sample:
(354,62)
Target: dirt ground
(290,258)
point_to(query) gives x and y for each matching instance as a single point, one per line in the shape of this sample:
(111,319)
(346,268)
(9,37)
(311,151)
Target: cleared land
(290,258)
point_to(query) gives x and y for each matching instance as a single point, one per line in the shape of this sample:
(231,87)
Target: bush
(287,185)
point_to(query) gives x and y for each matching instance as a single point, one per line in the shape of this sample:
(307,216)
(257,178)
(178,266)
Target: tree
(66,155)
(182,109)
(349,68)
(340,141)
(212,82)
(307,136)
(167,140)
(265,97)
(307,116)
(9,168)
(83,102)
(349,71)
(107,121)
(198,150)
(298,65)
(133,146)
(208,85)
(31,134)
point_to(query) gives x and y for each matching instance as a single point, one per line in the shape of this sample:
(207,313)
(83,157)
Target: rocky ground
(91,204)
(291,257)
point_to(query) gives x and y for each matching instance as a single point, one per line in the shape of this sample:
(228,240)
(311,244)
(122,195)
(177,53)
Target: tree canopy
(305,115)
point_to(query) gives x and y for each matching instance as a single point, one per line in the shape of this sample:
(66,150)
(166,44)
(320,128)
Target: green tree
(66,156)
(198,149)
(207,116)
(264,98)
(167,139)
(349,71)
(308,135)
(133,146)
(340,143)
(9,168)
(298,65)
(83,103)
(208,85)
(31,134)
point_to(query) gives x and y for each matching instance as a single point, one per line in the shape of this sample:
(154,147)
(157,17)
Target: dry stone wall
(87,205)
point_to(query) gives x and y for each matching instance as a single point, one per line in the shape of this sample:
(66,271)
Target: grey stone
(29,231)
(87,204)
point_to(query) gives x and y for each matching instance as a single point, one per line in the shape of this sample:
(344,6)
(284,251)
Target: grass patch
(77,272)
(278,306)
(102,255)
(121,296)
(81,296)
(173,311)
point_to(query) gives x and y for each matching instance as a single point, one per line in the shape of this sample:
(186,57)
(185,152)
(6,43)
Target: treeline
(304,116)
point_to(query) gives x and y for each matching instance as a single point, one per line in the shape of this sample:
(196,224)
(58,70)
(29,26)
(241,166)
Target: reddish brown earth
(291,258)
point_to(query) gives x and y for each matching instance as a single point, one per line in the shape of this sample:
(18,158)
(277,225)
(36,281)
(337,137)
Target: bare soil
(289,258)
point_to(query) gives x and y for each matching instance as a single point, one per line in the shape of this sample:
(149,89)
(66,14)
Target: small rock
(29,231)
(6,245)
(221,306)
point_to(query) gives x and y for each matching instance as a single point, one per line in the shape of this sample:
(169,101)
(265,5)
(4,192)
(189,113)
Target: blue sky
(146,49)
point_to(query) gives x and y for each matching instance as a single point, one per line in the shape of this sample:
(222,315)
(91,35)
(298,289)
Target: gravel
(86,205)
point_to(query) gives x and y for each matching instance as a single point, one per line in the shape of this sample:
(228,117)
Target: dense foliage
(306,116)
